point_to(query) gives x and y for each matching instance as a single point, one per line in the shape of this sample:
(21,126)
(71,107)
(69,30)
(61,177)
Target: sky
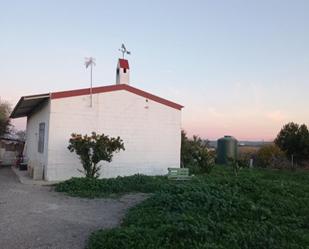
(240,67)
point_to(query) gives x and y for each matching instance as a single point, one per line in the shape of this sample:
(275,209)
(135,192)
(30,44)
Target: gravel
(36,217)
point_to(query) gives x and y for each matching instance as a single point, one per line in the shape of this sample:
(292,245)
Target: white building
(149,126)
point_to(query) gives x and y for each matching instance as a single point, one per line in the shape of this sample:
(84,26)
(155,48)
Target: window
(41,137)
(125,70)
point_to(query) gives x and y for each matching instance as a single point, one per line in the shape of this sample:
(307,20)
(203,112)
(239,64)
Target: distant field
(258,209)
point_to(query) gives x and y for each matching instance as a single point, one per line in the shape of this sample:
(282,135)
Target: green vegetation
(5,123)
(271,156)
(93,149)
(293,139)
(258,209)
(91,187)
(290,150)
(195,155)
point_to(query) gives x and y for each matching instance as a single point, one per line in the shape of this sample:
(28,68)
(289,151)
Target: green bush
(258,209)
(195,155)
(93,149)
(91,187)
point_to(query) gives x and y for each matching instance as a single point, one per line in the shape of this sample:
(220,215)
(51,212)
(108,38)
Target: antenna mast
(90,61)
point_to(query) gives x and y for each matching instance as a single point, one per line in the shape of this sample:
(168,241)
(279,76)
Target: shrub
(195,155)
(271,156)
(91,187)
(245,153)
(93,149)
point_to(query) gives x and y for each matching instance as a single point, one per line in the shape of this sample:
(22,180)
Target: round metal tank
(227,148)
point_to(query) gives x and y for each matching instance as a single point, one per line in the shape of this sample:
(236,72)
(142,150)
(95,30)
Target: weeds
(256,210)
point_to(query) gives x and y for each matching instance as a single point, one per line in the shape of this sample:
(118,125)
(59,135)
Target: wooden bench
(178,174)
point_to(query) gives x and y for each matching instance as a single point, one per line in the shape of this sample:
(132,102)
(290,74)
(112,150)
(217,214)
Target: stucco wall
(123,77)
(150,131)
(7,157)
(37,162)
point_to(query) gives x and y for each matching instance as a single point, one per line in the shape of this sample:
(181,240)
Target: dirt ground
(36,217)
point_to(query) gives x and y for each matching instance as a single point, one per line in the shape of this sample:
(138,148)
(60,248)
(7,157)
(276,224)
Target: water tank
(226,149)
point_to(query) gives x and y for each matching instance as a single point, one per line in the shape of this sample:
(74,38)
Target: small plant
(93,149)
(236,166)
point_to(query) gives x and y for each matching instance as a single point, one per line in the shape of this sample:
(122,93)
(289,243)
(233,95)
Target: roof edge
(112,88)
(153,97)
(95,90)
(27,97)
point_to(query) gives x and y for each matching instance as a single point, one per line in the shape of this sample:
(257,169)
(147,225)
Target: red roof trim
(85,91)
(111,88)
(123,63)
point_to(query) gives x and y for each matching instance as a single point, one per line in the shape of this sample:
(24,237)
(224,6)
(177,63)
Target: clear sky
(239,67)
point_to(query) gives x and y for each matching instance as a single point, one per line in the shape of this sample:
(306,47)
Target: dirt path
(38,218)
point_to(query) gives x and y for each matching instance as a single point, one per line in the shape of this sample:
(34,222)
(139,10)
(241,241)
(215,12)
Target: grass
(258,209)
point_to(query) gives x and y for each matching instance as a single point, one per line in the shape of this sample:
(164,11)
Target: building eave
(27,104)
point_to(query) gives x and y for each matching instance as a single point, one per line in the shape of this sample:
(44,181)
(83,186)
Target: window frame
(41,138)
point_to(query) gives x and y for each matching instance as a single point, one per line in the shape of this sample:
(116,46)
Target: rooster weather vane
(124,50)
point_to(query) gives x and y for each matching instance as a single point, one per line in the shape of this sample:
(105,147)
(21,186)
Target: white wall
(37,161)
(150,131)
(123,77)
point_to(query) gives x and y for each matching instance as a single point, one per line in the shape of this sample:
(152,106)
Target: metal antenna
(124,50)
(90,61)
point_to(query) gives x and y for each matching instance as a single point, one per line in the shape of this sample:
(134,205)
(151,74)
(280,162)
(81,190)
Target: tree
(271,156)
(293,139)
(17,134)
(93,149)
(195,154)
(186,150)
(5,124)
(21,135)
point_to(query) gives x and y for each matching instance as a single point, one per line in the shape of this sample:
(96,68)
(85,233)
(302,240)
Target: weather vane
(124,50)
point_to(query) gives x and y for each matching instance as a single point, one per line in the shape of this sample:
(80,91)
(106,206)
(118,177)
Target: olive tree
(93,149)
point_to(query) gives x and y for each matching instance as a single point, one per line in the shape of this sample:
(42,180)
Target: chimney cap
(123,63)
